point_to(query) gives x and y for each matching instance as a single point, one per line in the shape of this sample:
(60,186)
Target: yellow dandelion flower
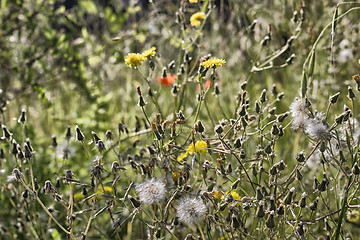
(78,197)
(106,191)
(195,19)
(236,197)
(213,62)
(353,216)
(182,156)
(134,59)
(198,147)
(149,53)
(193,1)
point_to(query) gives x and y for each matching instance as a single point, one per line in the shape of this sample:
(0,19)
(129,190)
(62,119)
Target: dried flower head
(190,210)
(297,110)
(213,63)
(151,191)
(195,19)
(134,59)
(317,129)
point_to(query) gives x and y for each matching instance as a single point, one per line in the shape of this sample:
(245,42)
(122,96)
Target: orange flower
(206,85)
(168,80)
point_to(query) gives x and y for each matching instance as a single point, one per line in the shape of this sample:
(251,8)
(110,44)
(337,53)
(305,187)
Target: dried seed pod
(289,195)
(351,94)
(270,223)
(259,195)
(68,133)
(134,201)
(314,204)
(79,135)
(260,213)
(333,99)
(302,203)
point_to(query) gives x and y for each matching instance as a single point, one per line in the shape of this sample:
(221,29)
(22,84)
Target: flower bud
(134,201)
(302,203)
(79,135)
(289,195)
(300,157)
(355,169)
(22,117)
(219,129)
(68,133)
(260,213)
(270,223)
(259,195)
(351,94)
(314,204)
(263,96)
(333,99)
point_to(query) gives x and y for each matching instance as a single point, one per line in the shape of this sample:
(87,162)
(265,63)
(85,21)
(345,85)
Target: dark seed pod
(54,142)
(355,170)
(259,195)
(281,210)
(289,195)
(314,204)
(302,203)
(68,133)
(237,143)
(281,165)
(270,223)
(134,201)
(333,99)
(299,175)
(260,213)
(300,157)
(79,135)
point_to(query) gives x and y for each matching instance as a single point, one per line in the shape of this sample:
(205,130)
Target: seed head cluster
(190,210)
(151,191)
(314,126)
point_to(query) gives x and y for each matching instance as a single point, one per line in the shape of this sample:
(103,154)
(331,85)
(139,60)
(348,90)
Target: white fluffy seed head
(300,118)
(151,191)
(190,210)
(317,130)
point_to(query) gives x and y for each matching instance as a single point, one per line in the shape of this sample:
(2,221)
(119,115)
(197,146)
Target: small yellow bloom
(149,53)
(78,197)
(195,19)
(182,156)
(353,216)
(106,191)
(134,59)
(193,1)
(235,195)
(198,147)
(213,62)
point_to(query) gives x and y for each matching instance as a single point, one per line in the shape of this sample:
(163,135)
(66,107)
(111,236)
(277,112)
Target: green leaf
(55,235)
(88,6)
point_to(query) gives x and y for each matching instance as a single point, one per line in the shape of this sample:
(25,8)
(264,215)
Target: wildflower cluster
(136,59)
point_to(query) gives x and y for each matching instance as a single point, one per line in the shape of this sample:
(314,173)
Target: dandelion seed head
(191,210)
(317,130)
(151,191)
